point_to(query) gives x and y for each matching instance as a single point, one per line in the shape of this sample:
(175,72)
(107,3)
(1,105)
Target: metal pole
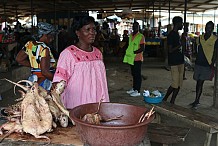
(214,13)
(168,28)
(5,19)
(169,13)
(194,23)
(185,25)
(159,23)
(54,12)
(153,15)
(16,13)
(202,21)
(31,3)
(185,10)
(56,26)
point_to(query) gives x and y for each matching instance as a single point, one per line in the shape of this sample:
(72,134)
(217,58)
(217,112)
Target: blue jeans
(46,84)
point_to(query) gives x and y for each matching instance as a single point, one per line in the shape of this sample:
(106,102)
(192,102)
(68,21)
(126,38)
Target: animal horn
(23,87)
(26,81)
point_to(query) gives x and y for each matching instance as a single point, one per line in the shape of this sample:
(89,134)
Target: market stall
(8,49)
(153,47)
(60,136)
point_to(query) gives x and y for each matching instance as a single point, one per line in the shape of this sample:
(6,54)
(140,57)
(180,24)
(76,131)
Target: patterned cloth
(85,76)
(35,52)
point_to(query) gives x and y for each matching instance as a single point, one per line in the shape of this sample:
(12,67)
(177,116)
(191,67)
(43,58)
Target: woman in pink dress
(82,67)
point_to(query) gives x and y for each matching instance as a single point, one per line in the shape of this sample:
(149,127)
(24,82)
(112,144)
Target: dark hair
(211,23)
(78,23)
(135,22)
(177,19)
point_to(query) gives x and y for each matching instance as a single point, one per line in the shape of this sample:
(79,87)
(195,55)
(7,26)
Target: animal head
(34,88)
(63,119)
(60,87)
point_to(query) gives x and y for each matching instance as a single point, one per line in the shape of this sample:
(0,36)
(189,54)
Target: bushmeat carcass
(36,118)
(56,93)
(10,127)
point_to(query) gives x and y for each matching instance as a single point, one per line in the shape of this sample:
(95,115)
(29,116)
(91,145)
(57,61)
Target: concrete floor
(158,78)
(155,77)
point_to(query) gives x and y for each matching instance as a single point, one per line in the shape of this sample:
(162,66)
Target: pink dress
(85,76)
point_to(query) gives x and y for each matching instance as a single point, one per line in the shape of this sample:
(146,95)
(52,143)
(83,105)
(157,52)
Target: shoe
(135,93)
(194,105)
(130,91)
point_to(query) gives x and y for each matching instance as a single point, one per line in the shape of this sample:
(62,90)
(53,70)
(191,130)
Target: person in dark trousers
(134,57)
(205,60)
(175,59)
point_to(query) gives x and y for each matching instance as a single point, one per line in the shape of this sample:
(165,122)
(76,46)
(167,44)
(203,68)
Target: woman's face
(48,38)
(209,28)
(87,33)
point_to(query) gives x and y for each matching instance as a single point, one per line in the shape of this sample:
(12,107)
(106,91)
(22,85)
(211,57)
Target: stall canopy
(115,18)
(21,8)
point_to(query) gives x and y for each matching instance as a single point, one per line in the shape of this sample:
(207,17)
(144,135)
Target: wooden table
(60,136)
(204,122)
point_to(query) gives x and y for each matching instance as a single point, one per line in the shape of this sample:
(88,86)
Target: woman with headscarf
(37,55)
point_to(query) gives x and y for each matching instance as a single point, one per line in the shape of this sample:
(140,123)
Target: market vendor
(81,66)
(37,55)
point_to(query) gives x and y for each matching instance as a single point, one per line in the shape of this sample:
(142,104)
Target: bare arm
(22,58)
(142,46)
(45,66)
(141,49)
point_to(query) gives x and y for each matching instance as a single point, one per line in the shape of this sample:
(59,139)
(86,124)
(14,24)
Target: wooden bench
(204,122)
(166,135)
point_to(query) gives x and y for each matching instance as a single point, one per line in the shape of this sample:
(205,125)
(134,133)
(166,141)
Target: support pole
(153,15)
(214,17)
(31,4)
(5,19)
(168,28)
(185,26)
(202,22)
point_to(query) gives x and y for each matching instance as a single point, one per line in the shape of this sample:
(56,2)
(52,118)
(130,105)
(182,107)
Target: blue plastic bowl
(153,99)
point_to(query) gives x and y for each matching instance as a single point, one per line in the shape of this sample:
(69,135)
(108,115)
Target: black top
(176,57)
(201,58)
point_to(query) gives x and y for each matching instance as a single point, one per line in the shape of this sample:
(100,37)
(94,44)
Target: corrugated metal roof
(27,7)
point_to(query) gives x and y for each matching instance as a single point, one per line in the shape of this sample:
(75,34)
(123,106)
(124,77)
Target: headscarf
(45,28)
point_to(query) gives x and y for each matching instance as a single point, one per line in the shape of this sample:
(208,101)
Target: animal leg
(45,137)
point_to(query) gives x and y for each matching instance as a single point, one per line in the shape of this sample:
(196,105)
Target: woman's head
(84,29)
(46,32)
(209,27)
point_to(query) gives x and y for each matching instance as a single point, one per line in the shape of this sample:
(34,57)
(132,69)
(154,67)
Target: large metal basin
(124,132)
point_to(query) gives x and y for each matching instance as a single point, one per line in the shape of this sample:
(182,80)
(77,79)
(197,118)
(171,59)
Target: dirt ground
(155,77)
